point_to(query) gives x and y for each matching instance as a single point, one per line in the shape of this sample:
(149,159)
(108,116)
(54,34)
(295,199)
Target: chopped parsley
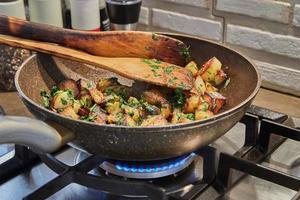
(45,98)
(54,91)
(190,116)
(154,36)
(147,61)
(70,94)
(63,101)
(89,118)
(154,67)
(182,86)
(134,102)
(89,85)
(178,99)
(205,107)
(108,91)
(226,83)
(172,80)
(156,75)
(169,69)
(59,110)
(185,53)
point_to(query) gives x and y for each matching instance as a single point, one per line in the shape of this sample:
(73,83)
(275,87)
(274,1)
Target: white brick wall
(144,16)
(296,20)
(262,40)
(198,3)
(266,9)
(267,28)
(279,78)
(187,24)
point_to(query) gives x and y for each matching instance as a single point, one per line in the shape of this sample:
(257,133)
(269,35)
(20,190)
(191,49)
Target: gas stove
(257,159)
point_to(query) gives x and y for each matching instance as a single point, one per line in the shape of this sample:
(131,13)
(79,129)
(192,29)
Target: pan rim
(152,128)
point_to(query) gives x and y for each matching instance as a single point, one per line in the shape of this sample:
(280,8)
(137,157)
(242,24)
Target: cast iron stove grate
(258,144)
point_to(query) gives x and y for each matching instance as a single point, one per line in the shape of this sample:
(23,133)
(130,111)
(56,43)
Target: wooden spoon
(107,44)
(148,70)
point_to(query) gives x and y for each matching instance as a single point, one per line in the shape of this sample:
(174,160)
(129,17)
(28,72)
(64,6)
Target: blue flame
(149,168)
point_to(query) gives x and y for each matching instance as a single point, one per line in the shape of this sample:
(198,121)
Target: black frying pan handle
(37,135)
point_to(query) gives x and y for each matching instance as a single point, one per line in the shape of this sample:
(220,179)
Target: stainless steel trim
(126,27)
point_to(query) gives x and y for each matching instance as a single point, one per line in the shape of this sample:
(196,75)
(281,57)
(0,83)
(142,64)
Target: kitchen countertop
(266,98)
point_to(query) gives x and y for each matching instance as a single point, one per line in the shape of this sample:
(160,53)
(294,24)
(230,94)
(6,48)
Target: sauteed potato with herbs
(108,102)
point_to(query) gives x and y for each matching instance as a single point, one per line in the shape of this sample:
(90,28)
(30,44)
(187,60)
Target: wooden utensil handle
(30,30)
(108,44)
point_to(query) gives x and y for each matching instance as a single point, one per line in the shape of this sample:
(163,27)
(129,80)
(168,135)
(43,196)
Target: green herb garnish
(154,36)
(70,94)
(63,101)
(108,91)
(190,116)
(156,75)
(45,98)
(179,98)
(89,85)
(154,67)
(172,80)
(226,83)
(205,107)
(134,102)
(169,69)
(59,110)
(182,86)
(147,61)
(185,52)
(54,91)
(89,118)
(156,61)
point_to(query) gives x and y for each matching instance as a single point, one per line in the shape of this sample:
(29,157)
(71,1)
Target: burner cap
(148,169)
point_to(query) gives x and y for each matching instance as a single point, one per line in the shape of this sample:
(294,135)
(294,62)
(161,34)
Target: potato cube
(76,106)
(176,115)
(113,108)
(62,100)
(191,104)
(97,96)
(200,114)
(199,86)
(128,121)
(165,110)
(210,69)
(85,84)
(69,112)
(220,77)
(156,120)
(192,66)
(210,87)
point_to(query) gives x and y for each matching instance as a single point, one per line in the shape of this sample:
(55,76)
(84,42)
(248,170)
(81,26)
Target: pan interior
(42,72)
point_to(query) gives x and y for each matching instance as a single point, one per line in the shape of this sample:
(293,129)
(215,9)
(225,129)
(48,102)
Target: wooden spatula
(107,44)
(148,70)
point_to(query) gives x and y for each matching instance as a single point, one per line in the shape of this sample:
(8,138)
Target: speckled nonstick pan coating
(142,143)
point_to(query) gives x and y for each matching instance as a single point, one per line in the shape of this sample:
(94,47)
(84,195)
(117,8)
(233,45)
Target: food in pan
(108,102)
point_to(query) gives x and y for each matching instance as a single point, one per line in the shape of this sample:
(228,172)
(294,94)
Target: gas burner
(148,169)
(143,169)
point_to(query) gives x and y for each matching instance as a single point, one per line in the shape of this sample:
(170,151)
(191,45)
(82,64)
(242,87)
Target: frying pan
(51,130)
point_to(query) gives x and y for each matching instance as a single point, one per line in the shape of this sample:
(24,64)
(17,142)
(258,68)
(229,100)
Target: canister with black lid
(123,14)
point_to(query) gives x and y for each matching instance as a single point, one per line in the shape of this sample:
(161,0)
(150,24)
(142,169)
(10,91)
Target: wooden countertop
(279,102)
